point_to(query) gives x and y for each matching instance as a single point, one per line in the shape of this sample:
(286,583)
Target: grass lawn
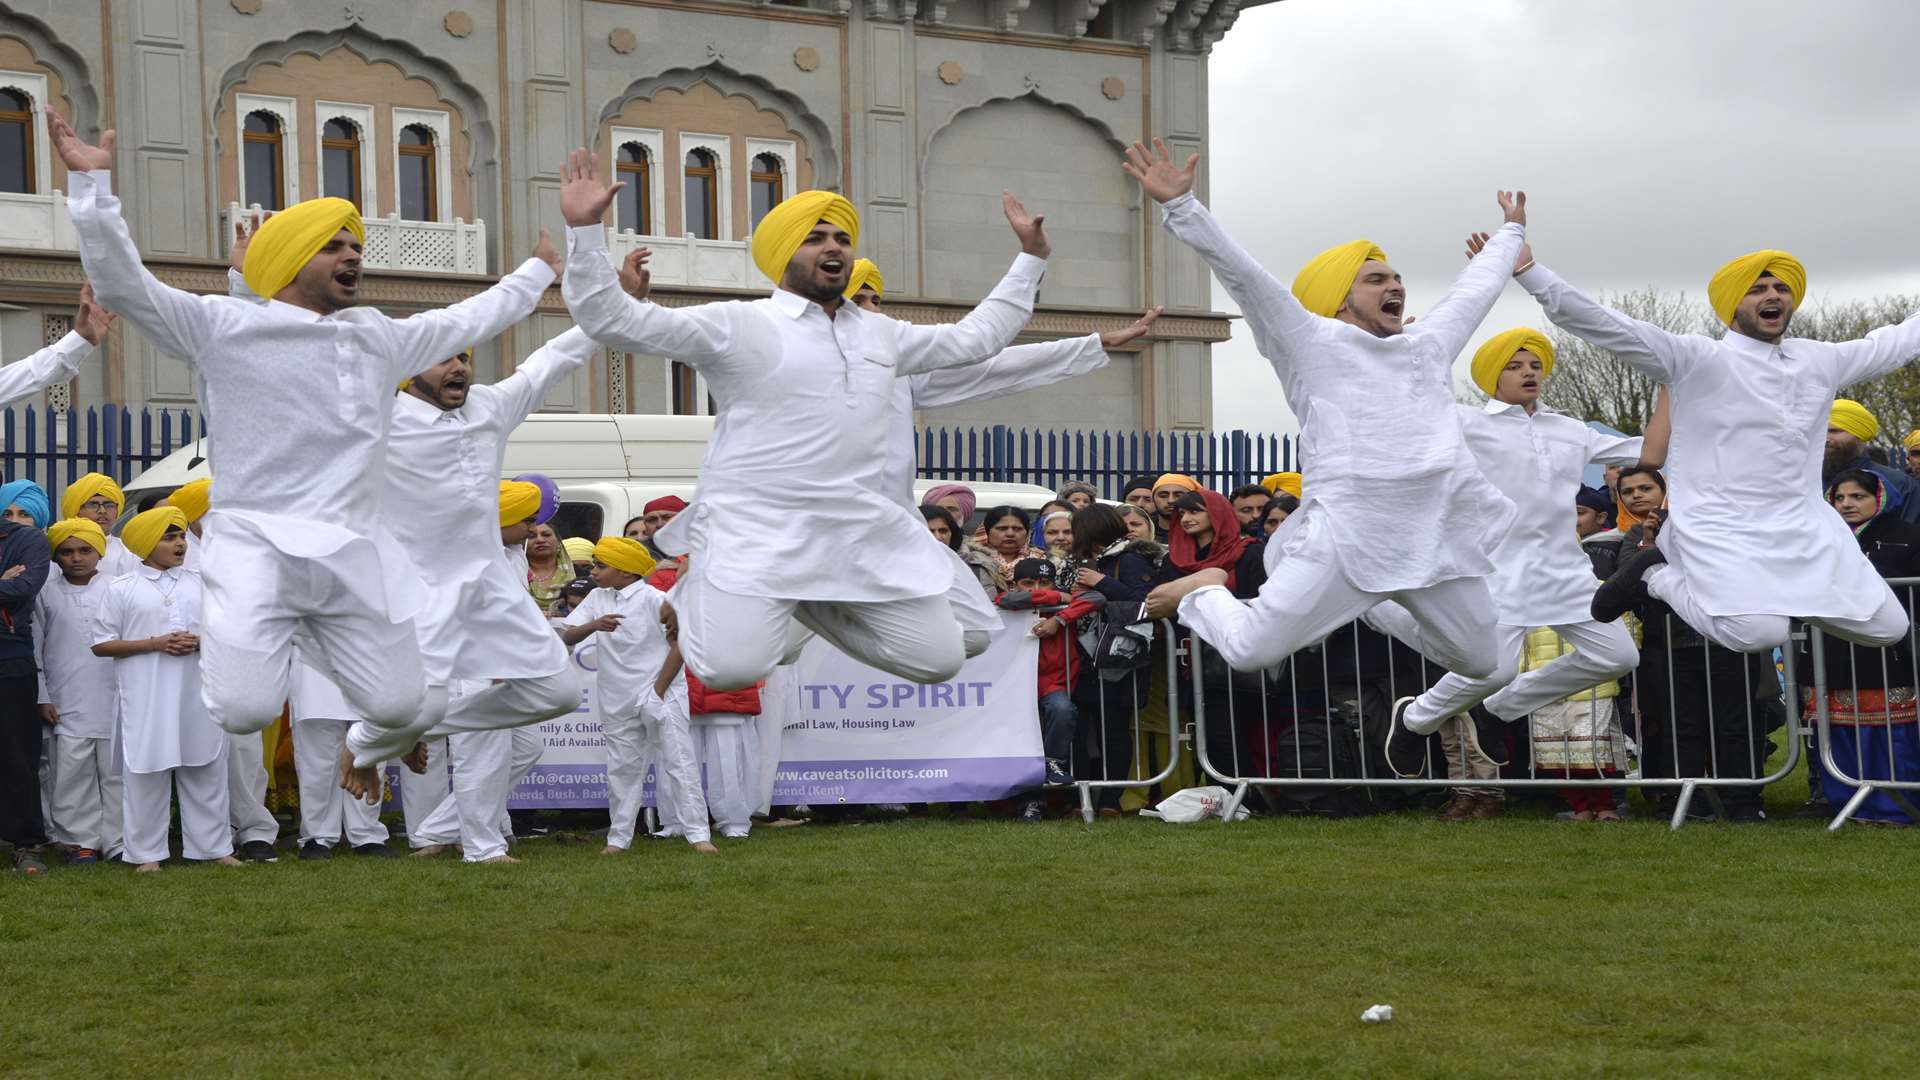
(1520,947)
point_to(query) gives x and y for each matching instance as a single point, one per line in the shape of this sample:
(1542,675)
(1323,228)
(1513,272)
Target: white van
(607,465)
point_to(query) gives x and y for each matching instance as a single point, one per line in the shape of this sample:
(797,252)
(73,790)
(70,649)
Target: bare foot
(362,783)
(228,860)
(705,847)
(431,850)
(612,849)
(147,868)
(416,759)
(500,859)
(1164,601)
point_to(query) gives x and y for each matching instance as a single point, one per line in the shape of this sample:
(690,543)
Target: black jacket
(1893,547)
(1132,572)
(20,545)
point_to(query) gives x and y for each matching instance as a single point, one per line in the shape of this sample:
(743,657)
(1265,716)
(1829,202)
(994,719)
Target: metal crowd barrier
(1093,733)
(1873,731)
(1349,714)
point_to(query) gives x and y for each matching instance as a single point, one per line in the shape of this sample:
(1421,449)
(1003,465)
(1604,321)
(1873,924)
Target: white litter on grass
(1378,1014)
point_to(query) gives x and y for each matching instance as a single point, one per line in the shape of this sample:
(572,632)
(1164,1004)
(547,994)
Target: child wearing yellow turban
(144,531)
(93,485)
(865,275)
(624,554)
(519,500)
(85,528)
(191,498)
(1491,358)
(77,690)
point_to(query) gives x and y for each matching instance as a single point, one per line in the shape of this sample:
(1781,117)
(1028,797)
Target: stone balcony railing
(687,260)
(36,221)
(459,247)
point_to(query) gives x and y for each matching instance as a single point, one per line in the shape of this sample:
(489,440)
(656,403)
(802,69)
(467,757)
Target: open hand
(635,279)
(91,321)
(1514,205)
(1476,242)
(547,253)
(1028,227)
(78,154)
(1157,173)
(584,196)
(1113,339)
(242,236)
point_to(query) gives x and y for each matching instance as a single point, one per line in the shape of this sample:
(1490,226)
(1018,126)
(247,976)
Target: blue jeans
(1057,719)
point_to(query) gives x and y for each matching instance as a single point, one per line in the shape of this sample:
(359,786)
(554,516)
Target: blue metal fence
(56,447)
(1220,460)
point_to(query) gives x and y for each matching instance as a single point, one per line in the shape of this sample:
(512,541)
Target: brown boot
(1458,808)
(1487,806)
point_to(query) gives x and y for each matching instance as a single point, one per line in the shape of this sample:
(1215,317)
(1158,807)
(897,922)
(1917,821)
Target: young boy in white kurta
(76,695)
(149,625)
(630,653)
(328,815)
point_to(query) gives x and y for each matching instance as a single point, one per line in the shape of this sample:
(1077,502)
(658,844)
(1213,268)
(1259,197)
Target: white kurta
(118,560)
(629,658)
(304,402)
(1541,577)
(78,684)
(1384,460)
(792,502)
(1749,529)
(443,497)
(163,723)
(56,363)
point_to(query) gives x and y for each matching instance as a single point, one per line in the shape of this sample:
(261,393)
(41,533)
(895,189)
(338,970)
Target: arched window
(767,186)
(419,185)
(700,212)
(16,141)
(635,209)
(340,160)
(262,161)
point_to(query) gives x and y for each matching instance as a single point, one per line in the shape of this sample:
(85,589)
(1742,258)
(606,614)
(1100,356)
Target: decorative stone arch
(1099,127)
(821,155)
(472,115)
(76,79)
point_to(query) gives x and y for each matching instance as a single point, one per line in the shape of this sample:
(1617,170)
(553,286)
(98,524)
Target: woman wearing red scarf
(1206,535)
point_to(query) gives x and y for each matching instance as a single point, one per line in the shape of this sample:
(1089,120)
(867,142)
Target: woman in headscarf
(1206,535)
(1122,568)
(1056,535)
(1870,692)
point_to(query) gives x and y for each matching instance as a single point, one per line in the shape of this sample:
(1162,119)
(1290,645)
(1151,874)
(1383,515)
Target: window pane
(632,152)
(626,215)
(336,168)
(263,174)
(765,195)
(415,185)
(340,129)
(15,101)
(699,208)
(262,123)
(13,157)
(415,135)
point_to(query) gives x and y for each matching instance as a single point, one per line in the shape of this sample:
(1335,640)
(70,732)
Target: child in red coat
(1059,663)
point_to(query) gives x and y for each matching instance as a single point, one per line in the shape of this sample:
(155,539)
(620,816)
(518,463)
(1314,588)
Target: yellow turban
(85,528)
(1288,482)
(191,499)
(1732,281)
(284,242)
(578,549)
(1323,284)
(623,553)
(519,500)
(1912,441)
(1854,419)
(786,226)
(865,273)
(87,487)
(1492,358)
(145,530)
(1176,480)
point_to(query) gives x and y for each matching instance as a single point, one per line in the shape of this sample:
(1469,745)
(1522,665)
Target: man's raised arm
(991,326)
(59,361)
(179,322)
(522,392)
(423,340)
(1460,312)
(1279,324)
(1654,352)
(1024,367)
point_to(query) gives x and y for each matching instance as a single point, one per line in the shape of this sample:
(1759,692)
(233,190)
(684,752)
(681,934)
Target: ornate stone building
(447,120)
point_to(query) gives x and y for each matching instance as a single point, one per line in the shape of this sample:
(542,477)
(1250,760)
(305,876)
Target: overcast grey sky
(1655,139)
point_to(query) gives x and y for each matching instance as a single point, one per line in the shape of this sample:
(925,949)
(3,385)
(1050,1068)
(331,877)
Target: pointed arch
(761,92)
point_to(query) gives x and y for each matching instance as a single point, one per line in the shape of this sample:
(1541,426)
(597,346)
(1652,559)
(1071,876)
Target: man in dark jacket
(23,547)
(1850,427)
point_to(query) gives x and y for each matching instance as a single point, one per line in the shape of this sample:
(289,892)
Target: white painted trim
(664,171)
(282,107)
(35,87)
(721,147)
(361,115)
(441,124)
(786,151)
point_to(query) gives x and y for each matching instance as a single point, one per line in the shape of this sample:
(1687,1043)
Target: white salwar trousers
(204,830)
(486,765)
(327,813)
(733,641)
(84,792)
(422,793)
(626,776)
(1307,596)
(728,747)
(1602,652)
(678,796)
(247,790)
(1760,633)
